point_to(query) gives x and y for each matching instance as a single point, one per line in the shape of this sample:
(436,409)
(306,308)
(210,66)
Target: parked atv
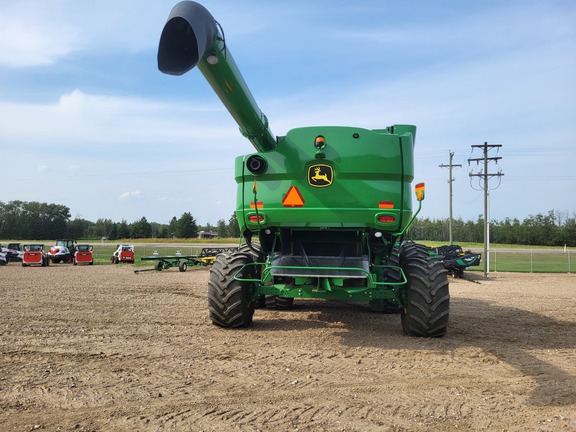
(63,251)
(14,252)
(123,253)
(83,254)
(34,255)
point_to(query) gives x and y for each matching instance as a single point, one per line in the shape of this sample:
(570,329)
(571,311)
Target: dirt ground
(99,348)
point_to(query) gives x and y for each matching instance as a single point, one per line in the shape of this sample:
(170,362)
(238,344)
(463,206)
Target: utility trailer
(205,258)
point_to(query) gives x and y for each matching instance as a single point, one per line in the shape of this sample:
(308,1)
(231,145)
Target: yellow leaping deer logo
(320,175)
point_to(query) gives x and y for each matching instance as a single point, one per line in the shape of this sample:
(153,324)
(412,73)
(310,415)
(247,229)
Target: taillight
(386,219)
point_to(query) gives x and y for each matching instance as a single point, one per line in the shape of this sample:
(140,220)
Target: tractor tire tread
(427,304)
(229,304)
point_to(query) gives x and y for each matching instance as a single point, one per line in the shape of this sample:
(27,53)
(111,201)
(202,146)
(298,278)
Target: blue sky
(88,121)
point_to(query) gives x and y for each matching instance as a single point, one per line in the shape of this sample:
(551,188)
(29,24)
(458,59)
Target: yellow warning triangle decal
(293,198)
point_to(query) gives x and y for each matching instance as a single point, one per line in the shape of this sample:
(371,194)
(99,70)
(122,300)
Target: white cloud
(74,169)
(30,37)
(31,46)
(38,32)
(109,121)
(130,195)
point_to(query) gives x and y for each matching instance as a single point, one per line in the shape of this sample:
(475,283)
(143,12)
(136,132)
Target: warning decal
(293,198)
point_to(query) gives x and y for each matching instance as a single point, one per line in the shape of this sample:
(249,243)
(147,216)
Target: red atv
(123,253)
(83,254)
(34,255)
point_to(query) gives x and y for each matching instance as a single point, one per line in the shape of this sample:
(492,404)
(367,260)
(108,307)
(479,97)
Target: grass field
(504,258)
(533,261)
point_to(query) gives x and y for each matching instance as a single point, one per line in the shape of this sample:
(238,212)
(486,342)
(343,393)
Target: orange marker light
(258,204)
(419,189)
(386,204)
(293,198)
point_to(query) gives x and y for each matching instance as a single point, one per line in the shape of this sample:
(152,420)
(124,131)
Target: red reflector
(386,219)
(254,219)
(386,204)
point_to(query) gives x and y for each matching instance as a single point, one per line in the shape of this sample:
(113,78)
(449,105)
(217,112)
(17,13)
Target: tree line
(43,221)
(551,229)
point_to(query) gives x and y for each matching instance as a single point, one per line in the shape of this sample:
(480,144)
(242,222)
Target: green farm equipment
(323,210)
(164,262)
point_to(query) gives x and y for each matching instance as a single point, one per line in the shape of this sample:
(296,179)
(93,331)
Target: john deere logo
(320,175)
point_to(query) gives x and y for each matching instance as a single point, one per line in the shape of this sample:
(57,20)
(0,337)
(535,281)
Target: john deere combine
(323,210)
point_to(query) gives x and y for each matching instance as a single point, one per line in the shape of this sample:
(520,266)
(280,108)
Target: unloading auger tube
(191,37)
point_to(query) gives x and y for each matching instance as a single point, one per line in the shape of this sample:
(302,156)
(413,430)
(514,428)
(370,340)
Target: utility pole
(486,175)
(450,180)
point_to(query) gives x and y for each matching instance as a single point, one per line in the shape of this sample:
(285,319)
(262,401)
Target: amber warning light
(420,189)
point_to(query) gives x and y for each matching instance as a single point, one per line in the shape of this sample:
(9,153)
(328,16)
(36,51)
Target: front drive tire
(277,302)
(426,295)
(390,274)
(230,303)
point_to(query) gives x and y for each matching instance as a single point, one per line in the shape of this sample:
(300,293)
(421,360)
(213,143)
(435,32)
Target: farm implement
(323,210)
(205,258)
(454,259)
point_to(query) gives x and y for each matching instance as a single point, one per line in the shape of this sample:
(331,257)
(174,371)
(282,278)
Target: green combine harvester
(323,211)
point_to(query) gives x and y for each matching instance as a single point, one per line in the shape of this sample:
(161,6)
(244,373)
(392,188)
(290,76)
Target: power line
(450,180)
(485,175)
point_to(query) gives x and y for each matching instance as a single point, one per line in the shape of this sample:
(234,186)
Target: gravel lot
(100,348)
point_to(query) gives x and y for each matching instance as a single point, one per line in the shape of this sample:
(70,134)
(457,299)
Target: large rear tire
(426,295)
(230,302)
